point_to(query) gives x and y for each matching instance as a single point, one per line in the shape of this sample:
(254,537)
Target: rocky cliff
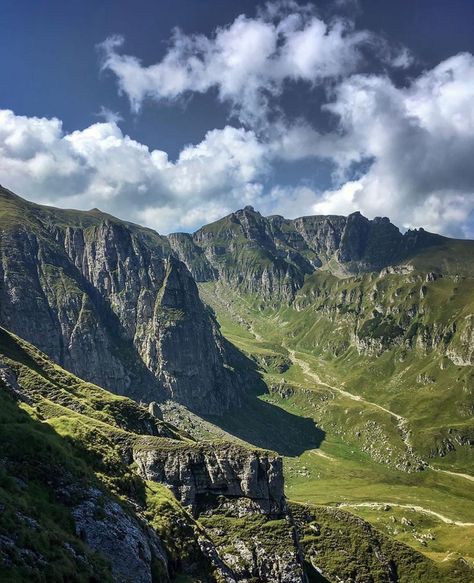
(107,300)
(116,304)
(121,486)
(231,471)
(272,255)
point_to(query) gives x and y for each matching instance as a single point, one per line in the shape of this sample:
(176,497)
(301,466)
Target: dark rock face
(322,234)
(192,255)
(107,301)
(272,255)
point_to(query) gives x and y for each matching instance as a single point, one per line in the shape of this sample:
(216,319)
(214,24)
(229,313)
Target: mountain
(309,384)
(390,314)
(94,487)
(367,334)
(272,255)
(118,305)
(105,299)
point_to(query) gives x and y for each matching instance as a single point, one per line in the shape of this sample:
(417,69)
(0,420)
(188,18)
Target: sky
(174,113)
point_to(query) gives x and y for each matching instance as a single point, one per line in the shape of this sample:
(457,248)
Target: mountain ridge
(109,286)
(327,339)
(109,302)
(277,253)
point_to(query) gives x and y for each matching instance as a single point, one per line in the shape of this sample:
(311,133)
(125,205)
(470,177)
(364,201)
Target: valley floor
(311,418)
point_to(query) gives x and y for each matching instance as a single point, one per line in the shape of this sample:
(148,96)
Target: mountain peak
(247,210)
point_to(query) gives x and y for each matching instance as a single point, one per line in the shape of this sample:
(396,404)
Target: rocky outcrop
(461,349)
(255,548)
(196,471)
(112,480)
(248,252)
(108,301)
(131,547)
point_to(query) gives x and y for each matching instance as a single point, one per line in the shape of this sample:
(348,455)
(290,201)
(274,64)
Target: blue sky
(297,109)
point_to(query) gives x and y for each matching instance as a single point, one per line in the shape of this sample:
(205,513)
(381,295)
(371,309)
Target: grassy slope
(349,549)
(15,211)
(343,469)
(72,435)
(42,528)
(75,435)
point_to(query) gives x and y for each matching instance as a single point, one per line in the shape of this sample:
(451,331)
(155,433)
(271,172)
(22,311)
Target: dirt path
(401,421)
(379,505)
(458,474)
(320,453)
(307,371)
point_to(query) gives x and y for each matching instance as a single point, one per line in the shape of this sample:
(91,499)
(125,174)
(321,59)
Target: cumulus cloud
(101,167)
(250,61)
(412,147)
(419,143)
(403,151)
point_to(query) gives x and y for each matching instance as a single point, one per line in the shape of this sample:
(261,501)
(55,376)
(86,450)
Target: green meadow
(356,432)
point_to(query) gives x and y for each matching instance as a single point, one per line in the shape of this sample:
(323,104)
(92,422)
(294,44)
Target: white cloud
(420,141)
(250,60)
(101,167)
(108,115)
(403,152)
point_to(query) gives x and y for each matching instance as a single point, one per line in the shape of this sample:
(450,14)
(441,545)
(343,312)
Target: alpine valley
(265,400)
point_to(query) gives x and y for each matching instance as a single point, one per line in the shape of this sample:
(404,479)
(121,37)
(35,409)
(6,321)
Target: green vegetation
(68,436)
(383,410)
(37,537)
(63,438)
(367,392)
(177,529)
(349,549)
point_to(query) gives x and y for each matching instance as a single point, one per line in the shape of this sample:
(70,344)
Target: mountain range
(208,399)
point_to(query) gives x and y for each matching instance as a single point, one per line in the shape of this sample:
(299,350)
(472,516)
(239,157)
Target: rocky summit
(264,400)
(272,255)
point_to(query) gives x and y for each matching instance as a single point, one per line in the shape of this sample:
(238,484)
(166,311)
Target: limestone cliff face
(106,300)
(270,256)
(397,307)
(227,470)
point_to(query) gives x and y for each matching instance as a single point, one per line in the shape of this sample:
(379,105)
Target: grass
(348,549)
(43,545)
(66,437)
(355,461)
